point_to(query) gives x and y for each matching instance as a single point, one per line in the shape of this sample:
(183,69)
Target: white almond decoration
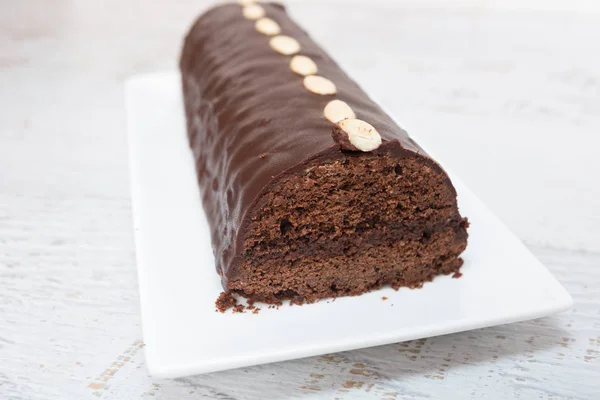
(253,11)
(303,65)
(355,134)
(319,85)
(267,26)
(246,2)
(284,45)
(337,110)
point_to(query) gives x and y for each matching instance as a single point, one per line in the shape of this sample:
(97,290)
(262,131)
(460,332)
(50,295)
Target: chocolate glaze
(250,121)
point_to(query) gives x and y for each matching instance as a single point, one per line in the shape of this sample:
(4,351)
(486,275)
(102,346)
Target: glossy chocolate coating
(251,121)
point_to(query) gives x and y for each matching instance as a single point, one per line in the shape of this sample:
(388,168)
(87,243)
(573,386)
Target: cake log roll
(310,189)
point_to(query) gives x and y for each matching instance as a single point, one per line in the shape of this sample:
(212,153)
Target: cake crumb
(457,275)
(238,308)
(256,310)
(384,298)
(225,301)
(262,156)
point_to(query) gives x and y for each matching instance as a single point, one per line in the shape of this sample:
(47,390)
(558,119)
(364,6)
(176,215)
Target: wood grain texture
(69,313)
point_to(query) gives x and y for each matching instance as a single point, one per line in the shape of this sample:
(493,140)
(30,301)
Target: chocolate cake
(310,189)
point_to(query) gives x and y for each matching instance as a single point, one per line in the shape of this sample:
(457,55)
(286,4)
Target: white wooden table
(511,100)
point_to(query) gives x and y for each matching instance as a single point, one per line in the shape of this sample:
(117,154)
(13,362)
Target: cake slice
(311,190)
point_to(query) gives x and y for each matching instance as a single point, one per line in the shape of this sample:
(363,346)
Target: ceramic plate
(502,281)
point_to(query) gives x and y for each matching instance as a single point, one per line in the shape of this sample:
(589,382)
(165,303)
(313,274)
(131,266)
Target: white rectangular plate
(502,281)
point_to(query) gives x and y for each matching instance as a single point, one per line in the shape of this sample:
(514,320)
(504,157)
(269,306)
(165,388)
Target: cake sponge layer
(350,225)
